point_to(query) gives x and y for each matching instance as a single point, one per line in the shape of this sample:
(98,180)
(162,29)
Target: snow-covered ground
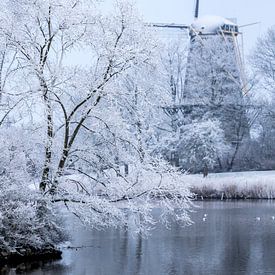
(253,184)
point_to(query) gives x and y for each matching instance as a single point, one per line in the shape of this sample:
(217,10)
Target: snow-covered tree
(197,145)
(87,119)
(262,60)
(201,144)
(173,50)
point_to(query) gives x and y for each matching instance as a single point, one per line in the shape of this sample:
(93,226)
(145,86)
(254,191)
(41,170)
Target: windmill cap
(212,24)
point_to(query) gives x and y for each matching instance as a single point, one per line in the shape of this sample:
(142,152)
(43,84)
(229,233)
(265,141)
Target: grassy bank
(234,185)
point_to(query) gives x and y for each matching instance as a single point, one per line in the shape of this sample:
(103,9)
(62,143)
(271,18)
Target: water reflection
(230,241)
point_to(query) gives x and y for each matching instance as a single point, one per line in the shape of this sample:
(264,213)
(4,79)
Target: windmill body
(213,73)
(213,84)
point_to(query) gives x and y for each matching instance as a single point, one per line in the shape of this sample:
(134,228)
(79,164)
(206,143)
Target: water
(230,240)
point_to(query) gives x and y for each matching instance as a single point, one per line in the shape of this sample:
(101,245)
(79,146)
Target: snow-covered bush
(201,144)
(22,224)
(26,218)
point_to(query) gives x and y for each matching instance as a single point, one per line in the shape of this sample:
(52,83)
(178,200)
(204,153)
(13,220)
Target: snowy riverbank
(234,185)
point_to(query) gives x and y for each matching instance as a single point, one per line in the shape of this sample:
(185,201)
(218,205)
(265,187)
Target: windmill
(214,26)
(214,80)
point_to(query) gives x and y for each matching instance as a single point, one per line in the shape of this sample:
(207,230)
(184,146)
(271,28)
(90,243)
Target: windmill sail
(197,9)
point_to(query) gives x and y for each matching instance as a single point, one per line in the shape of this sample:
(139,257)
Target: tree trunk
(45,180)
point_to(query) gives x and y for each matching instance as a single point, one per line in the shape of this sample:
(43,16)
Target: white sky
(246,11)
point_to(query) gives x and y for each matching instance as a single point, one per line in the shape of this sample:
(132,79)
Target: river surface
(234,238)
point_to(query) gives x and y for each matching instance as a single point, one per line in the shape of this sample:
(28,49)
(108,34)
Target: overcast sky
(246,11)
